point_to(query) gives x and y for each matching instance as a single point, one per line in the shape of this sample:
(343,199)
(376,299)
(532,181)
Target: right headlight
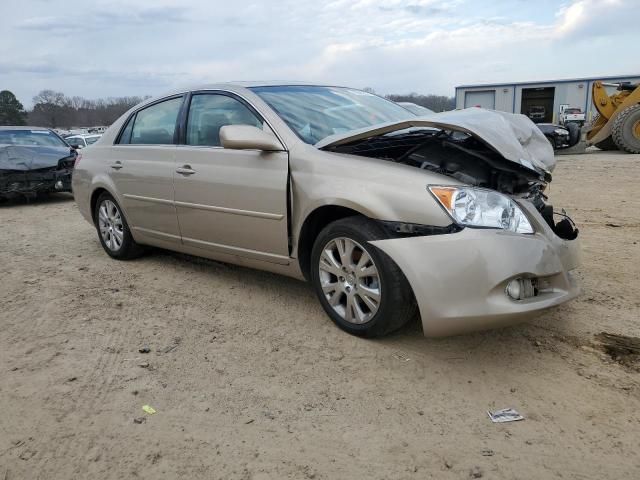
(481,208)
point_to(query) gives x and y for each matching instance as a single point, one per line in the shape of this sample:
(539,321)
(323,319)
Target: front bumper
(562,141)
(31,182)
(459,279)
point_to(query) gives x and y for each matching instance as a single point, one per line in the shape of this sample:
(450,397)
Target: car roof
(257,83)
(235,85)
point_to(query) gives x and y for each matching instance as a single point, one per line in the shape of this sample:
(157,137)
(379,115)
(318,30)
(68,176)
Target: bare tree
(54,109)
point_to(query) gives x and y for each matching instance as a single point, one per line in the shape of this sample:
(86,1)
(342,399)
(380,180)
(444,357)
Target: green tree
(11,110)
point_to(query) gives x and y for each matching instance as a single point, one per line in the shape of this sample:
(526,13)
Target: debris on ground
(504,415)
(148,409)
(621,348)
(139,420)
(27,454)
(144,350)
(167,349)
(400,356)
(476,472)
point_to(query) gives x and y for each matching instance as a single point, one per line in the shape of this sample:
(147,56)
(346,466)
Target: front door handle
(117,165)
(185,170)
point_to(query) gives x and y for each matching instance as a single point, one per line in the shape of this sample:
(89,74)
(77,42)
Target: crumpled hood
(25,158)
(513,136)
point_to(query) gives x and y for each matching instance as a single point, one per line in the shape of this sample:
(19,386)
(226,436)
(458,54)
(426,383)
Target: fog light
(514,289)
(521,288)
(58,185)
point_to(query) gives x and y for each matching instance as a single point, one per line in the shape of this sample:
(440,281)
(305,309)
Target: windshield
(92,140)
(40,138)
(416,109)
(314,113)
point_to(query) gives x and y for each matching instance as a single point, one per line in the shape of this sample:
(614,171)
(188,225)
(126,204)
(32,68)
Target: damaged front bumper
(460,280)
(17,183)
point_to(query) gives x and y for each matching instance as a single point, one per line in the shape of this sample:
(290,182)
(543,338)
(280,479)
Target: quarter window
(155,125)
(210,112)
(125,136)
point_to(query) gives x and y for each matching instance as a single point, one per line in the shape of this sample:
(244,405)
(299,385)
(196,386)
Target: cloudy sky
(114,48)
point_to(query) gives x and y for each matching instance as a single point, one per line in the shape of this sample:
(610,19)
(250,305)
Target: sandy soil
(250,379)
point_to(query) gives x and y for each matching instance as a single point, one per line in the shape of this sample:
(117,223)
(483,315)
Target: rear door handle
(185,170)
(117,165)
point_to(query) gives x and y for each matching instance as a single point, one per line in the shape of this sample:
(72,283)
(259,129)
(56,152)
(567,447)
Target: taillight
(77,161)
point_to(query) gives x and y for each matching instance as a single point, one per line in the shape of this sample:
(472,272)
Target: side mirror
(248,137)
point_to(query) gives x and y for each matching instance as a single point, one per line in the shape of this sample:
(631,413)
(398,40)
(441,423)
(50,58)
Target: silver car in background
(384,213)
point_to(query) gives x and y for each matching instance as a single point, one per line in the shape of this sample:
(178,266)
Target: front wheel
(575,133)
(626,129)
(360,287)
(113,230)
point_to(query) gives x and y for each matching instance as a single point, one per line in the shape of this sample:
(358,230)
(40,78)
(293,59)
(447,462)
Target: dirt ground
(250,380)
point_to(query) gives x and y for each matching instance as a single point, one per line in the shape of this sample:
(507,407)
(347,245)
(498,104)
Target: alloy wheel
(350,281)
(111,225)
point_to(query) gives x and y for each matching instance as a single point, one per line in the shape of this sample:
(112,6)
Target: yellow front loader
(617,126)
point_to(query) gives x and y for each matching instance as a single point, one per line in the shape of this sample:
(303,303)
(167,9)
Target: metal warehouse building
(520,97)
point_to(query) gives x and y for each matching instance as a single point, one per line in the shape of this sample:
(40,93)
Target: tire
(607,144)
(380,303)
(574,133)
(113,229)
(626,129)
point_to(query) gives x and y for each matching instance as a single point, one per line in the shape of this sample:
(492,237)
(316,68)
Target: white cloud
(428,46)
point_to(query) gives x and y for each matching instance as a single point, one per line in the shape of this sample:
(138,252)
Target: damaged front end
(27,179)
(491,150)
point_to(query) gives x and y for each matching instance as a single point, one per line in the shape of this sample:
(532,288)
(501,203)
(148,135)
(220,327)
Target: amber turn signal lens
(444,195)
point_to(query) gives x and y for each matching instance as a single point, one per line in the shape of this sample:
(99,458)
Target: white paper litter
(505,415)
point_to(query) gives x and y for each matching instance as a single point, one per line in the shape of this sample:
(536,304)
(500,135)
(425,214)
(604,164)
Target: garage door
(484,99)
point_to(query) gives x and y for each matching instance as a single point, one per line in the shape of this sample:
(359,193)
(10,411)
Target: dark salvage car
(34,161)
(560,136)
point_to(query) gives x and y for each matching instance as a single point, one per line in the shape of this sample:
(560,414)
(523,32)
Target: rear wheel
(113,230)
(360,287)
(626,129)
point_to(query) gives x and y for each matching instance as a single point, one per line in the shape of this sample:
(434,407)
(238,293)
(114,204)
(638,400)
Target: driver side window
(209,112)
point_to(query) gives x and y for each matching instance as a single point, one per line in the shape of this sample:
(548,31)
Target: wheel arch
(94,200)
(96,190)
(313,224)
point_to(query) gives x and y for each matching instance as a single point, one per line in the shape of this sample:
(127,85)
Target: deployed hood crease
(515,137)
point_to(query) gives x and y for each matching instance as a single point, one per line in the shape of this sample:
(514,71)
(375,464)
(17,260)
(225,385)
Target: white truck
(571,115)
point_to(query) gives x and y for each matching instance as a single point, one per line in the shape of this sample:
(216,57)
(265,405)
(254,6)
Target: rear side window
(155,125)
(209,112)
(125,136)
